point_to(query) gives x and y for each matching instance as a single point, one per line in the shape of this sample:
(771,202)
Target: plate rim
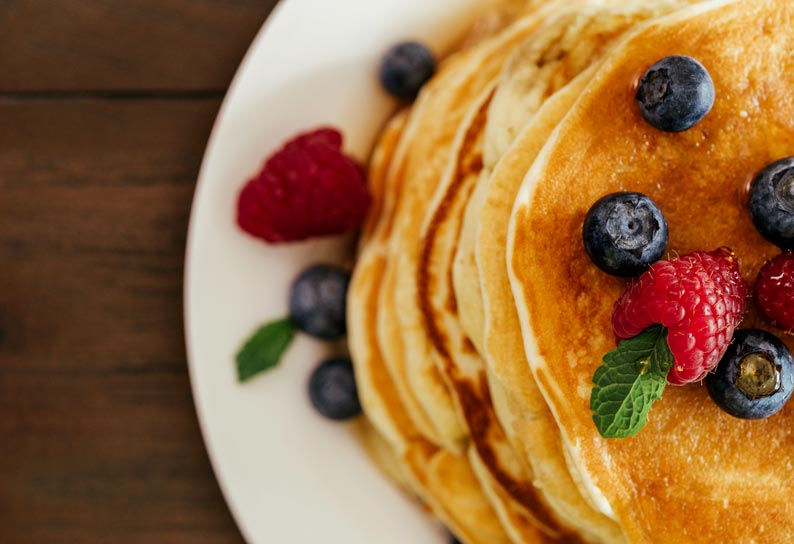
(228,497)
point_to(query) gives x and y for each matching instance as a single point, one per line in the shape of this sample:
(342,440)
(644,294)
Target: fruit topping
(772,203)
(675,94)
(306,189)
(774,291)
(699,298)
(332,390)
(624,233)
(755,377)
(405,68)
(317,301)
(675,323)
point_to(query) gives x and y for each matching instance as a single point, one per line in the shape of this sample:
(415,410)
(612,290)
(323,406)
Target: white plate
(288,475)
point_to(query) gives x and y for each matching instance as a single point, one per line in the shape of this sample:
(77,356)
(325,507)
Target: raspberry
(774,291)
(699,297)
(308,188)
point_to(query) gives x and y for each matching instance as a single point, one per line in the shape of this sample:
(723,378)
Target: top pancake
(693,474)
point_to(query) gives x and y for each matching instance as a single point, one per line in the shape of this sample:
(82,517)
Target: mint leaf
(631,378)
(264,349)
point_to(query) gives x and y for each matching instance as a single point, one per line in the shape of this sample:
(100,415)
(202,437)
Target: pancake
(366,358)
(451,95)
(518,403)
(530,426)
(561,48)
(521,530)
(517,96)
(465,275)
(503,476)
(377,393)
(445,483)
(693,474)
(451,456)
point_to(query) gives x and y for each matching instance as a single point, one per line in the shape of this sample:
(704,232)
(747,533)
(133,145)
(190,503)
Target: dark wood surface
(105,109)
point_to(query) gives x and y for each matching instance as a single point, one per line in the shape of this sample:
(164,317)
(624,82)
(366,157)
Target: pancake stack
(476,319)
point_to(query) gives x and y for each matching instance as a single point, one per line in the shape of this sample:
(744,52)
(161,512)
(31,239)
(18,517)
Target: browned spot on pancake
(478,410)
(570,538)
(416,456)
(468,346)
(472,168)
(519,257)
(552,56)
(469,163)
(452,300)
(427,448)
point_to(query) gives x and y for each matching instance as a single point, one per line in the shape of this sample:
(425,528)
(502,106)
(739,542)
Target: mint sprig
(631,378)
(263,350)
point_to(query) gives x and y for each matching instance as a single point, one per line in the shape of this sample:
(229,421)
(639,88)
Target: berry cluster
(678,319)
(699,298)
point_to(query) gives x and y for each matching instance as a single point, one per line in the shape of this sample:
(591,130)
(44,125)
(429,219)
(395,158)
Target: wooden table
(105,109)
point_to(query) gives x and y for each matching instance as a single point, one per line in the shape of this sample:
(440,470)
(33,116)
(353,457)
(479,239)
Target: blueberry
(332,390)
(675,94)
(405,68)
(624,233)
(317,301)
(772,203)
(755,377)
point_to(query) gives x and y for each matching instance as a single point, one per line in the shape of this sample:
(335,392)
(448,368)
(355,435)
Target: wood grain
(105,109)
(99,437)
(152,45)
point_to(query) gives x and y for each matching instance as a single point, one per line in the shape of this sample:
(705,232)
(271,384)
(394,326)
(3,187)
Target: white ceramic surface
(288,475)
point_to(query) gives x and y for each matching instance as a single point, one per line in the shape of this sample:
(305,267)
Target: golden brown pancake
(693,474)
(503,475)
(518,403)
(561,48)
(453,96)
(445,483)
(522,531)
(377,392)
(364,281)
(467,437)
